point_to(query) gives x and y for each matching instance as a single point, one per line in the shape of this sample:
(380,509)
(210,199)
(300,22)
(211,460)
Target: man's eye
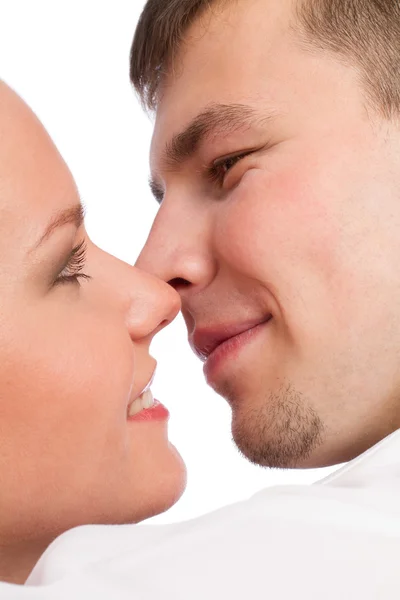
(73,270)
(219,169)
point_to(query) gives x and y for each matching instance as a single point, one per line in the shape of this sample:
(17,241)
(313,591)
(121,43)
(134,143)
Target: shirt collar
(377,466)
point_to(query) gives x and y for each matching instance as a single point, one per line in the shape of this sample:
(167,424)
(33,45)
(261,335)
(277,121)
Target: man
(276,162)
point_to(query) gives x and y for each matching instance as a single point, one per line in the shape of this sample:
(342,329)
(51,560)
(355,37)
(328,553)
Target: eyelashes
(217,172)
(73,270)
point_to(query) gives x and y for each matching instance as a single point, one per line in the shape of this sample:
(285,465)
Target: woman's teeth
(146,400)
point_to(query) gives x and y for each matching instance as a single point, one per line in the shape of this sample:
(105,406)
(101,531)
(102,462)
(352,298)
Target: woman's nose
(153,305)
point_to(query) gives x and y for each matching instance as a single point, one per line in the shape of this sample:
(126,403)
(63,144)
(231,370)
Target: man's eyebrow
(74,215)
(220,119)
(216,119)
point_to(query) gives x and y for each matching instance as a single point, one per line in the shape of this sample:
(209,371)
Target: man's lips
(205,340)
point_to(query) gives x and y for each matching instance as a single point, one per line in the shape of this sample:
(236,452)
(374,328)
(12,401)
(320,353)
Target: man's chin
(281,432)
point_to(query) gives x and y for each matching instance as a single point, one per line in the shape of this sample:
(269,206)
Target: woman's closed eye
(73,270)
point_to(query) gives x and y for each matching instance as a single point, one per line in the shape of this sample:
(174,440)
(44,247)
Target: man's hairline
(170,67)
(302,40)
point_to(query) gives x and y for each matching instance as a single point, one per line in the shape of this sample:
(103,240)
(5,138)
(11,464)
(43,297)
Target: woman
(80,438)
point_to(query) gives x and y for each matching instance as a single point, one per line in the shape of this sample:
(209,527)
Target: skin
(306,228)
(72,355)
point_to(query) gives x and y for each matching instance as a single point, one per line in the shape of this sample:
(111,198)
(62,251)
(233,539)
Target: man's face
(280,217)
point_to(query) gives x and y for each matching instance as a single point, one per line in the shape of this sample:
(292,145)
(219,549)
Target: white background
(69,59)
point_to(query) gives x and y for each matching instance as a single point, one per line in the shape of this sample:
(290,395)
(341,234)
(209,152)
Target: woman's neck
(18,560)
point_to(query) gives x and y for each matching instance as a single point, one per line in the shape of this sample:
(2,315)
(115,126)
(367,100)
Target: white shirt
(337,539)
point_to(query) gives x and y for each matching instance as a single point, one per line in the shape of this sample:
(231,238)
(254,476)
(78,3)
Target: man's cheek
(277,220)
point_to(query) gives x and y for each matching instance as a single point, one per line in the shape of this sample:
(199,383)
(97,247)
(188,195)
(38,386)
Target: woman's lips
(214,347)
(157,412)
(145,408)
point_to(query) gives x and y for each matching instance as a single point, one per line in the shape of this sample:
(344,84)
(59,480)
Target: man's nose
(178,250)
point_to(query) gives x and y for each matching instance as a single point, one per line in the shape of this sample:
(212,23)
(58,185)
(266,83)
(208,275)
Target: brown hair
(365,33)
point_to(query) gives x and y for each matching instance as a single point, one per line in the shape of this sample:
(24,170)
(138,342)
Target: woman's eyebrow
(74,214)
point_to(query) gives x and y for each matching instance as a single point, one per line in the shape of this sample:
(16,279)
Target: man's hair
(363,33)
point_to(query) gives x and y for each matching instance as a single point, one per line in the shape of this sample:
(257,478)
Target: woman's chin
(164,488)
(170,486)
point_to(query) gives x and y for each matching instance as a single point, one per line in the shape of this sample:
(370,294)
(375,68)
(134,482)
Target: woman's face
(74,352)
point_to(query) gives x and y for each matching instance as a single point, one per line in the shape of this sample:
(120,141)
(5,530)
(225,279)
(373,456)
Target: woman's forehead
(34,180)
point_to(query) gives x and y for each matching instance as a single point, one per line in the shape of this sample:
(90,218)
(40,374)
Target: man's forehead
(246,15)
